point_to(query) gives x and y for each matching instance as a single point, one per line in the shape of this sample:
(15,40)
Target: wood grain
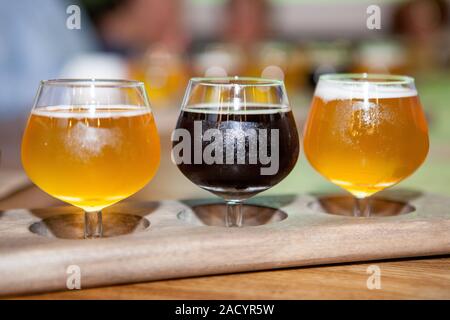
(173,247)
(11,181)
(400,279)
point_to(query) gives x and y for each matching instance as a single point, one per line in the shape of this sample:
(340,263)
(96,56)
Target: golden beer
(91,157)
(365,137)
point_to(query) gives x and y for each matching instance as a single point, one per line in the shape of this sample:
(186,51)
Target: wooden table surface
(418,278)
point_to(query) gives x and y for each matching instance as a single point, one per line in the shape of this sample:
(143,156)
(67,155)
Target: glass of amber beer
(91,143)
(365,133)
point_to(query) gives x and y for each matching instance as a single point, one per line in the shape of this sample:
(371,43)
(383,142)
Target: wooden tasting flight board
(169,239)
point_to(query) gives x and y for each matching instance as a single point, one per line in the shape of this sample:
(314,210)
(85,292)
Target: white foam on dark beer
(229,108)
(83,112)
(328,91)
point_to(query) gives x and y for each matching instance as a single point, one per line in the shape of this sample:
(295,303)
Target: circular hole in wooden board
(214,215)
(343,206)
(71,226)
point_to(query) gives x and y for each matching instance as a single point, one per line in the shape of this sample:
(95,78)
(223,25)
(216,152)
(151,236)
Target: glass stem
(362,207)
(93,227)
(234,214)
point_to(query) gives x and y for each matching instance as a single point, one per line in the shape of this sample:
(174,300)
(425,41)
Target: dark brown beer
(241,173)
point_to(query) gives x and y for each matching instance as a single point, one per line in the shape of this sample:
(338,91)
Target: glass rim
(372,78)
(227,81)
(80,82)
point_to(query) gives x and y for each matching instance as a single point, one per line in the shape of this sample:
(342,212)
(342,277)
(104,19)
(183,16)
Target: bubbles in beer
(365,137)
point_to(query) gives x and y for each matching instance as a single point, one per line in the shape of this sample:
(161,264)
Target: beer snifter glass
(235,137)
(91,143)
(365,133)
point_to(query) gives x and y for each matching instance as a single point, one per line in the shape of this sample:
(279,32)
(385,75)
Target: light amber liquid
(91,160)
(366,146)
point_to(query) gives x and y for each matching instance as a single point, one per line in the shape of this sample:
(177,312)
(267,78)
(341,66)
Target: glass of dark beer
(235,137)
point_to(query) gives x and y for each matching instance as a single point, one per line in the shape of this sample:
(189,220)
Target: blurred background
(165,42)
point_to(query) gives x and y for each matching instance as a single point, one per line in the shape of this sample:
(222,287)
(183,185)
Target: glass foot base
(71,226)
(343,206)
(214,215)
